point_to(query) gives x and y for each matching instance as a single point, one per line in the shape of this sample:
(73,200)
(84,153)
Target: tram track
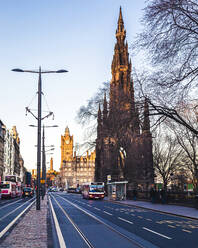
(83,236)
(14,210)
(8,220)
(6,204)
(75,226)
(7,201)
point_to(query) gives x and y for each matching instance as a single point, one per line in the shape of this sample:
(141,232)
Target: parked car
(52,189)
(78,190)
(27,192)
(49,189)
(71,190)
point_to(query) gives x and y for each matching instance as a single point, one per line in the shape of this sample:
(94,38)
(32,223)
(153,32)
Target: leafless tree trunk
(188,141)
(167,157)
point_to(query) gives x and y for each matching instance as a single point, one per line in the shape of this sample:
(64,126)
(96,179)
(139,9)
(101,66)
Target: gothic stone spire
(120,32)
(105,111)
(99,127)
(121,69)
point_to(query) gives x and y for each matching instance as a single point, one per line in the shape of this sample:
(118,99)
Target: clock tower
(75,169)
(66,147)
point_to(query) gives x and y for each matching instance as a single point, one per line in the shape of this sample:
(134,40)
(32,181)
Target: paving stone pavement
(31,231)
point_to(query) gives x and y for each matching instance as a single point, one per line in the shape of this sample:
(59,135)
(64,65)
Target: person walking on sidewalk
(134,194)
(163,196)
(152,195)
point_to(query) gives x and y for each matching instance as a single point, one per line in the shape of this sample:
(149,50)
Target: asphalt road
(97,223)
(10,212)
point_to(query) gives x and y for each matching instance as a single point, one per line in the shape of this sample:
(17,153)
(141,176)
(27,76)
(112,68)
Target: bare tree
(174,114)
(87,116)
(167,157)
(88,113)
(170,38)
(188,141)
(180,180)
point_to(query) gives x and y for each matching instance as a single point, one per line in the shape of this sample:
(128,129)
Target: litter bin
(196,201)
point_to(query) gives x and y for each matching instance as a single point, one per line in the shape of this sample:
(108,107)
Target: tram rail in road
(147,228)
(11,216)
(9,203)
(131,243)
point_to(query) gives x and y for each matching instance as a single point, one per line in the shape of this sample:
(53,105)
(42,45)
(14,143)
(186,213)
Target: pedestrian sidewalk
(31,231)
(165,208)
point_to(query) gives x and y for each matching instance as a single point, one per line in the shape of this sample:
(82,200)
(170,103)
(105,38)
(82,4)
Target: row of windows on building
(82,180)
(80,174)
(81,169)
(87,165)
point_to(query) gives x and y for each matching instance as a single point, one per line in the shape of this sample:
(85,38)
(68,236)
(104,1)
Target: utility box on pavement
(117,190)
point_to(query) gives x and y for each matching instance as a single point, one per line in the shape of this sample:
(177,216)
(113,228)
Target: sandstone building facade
(75,170)
(2,134)
(124,142)
(51,175)
(13,161)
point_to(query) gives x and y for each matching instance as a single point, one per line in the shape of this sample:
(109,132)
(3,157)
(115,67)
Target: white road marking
(149,219)
(58,230)
(96,208)
(140,217)
(130,222)
(99,220)
(107,213)
(184,230)
(12,222)
(191,226)
(171,226)
(164,236)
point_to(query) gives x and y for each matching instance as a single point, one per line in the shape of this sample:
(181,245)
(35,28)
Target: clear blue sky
(77,35)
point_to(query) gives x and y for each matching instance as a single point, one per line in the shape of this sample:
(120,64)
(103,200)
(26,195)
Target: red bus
(94,190)
(8,189)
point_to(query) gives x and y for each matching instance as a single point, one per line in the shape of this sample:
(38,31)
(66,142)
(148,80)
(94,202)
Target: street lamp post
(43,165)
(44,162)
(39,119)
(43,182)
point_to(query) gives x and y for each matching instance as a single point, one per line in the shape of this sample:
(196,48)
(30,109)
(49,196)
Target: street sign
(42,181)
(108,178)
